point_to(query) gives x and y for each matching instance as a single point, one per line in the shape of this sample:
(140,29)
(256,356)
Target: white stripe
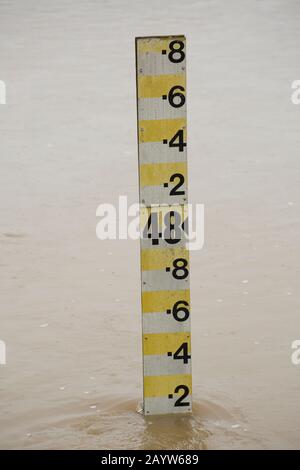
(155,63)
(162,322)
(164,405)
(147,243)
(157,152)
(162,280)
(162,364)
(157,108)
(160,195)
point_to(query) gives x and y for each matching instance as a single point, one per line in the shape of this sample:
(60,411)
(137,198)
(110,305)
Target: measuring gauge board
(165,272)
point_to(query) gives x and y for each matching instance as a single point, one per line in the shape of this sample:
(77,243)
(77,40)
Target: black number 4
(182,353)
(177,141)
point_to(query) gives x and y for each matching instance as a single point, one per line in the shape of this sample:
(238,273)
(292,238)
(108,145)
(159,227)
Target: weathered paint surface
(165,272)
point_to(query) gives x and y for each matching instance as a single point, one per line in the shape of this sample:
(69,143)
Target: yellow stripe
(146,45)
(154,174)
(163,385)
(160,301)
(152,259)
(158,129)
(162,343)
(154,86)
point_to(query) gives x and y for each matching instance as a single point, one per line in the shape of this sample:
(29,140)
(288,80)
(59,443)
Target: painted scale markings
(157,231)
(161,97)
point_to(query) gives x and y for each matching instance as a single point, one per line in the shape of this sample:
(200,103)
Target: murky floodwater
(70,304)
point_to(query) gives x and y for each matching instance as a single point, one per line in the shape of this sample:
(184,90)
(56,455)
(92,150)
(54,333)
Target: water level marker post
(165,271)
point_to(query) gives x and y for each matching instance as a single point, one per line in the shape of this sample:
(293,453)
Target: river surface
(70,303)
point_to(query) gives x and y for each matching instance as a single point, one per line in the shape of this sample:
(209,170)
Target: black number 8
(180,270)
(176,51)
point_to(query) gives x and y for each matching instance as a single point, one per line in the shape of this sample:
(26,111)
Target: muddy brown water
(70,304)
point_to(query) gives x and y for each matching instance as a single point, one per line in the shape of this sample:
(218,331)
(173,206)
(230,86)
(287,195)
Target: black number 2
(175,191)
(186,391)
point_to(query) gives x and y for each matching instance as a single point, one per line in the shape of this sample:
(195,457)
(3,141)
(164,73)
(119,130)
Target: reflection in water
(115,423)
(174,432)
